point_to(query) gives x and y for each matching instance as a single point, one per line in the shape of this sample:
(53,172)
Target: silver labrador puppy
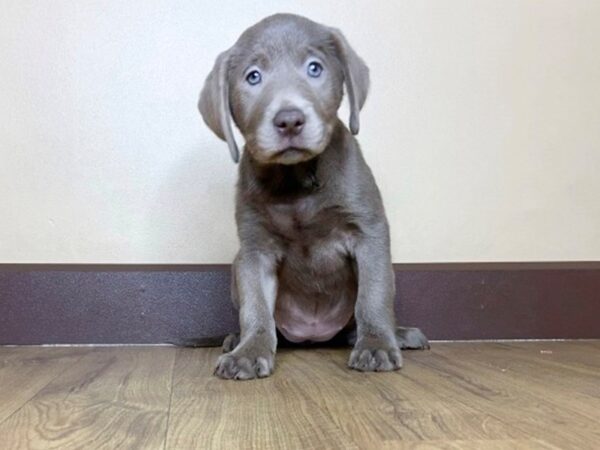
(314,261)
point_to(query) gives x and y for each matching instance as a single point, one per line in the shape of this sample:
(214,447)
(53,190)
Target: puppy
(314,261)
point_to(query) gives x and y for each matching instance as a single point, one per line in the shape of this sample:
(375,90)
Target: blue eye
(253,77)
(314,69)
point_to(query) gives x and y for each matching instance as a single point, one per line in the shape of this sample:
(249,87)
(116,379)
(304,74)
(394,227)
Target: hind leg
(408,338)
(231,341)
(411,338)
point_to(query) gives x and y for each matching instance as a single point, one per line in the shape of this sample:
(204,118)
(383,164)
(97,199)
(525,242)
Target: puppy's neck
(280,181)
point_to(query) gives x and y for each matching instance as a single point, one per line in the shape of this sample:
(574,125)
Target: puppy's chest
(310,226)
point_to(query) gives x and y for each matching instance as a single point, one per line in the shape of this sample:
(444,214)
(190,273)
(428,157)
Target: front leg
(376,347)
(256,285)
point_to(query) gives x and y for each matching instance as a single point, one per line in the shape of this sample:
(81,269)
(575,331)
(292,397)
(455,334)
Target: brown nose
(289,122)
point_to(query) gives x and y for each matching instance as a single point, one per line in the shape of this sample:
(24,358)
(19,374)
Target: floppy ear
(356,77)
(214,103)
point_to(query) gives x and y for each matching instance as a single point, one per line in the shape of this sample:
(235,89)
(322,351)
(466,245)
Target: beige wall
(482,127)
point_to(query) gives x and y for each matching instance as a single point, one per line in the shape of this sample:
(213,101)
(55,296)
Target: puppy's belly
(316,295)
(302,319)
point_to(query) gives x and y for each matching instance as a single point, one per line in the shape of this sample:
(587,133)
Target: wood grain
(529,395)
(26,370)
(207,412)
(110,398)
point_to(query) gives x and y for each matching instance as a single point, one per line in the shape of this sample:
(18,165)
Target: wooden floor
(477,395)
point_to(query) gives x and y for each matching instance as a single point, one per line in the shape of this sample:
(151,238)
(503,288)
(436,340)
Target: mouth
(291,155)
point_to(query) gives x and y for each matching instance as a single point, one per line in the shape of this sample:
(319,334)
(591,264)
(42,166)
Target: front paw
(245,364)
(376,357)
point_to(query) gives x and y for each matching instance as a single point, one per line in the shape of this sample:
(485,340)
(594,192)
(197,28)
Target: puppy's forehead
(282,35)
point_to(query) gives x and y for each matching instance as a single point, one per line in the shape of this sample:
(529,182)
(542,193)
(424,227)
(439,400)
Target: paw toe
(366,361)
(262,367)
(378,360)
(382,362)
(395,358)
(245,371)
(232,367)
(225,367)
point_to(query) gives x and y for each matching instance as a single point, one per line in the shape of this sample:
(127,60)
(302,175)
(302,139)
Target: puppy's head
(281,83)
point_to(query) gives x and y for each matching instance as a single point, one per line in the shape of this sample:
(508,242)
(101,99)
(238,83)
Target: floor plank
(510,397)
(542,371)
(24,371)
(268,414)
(530,395)
(111,398)
(396,407)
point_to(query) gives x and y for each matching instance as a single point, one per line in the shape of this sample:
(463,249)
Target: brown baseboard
(115,303)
